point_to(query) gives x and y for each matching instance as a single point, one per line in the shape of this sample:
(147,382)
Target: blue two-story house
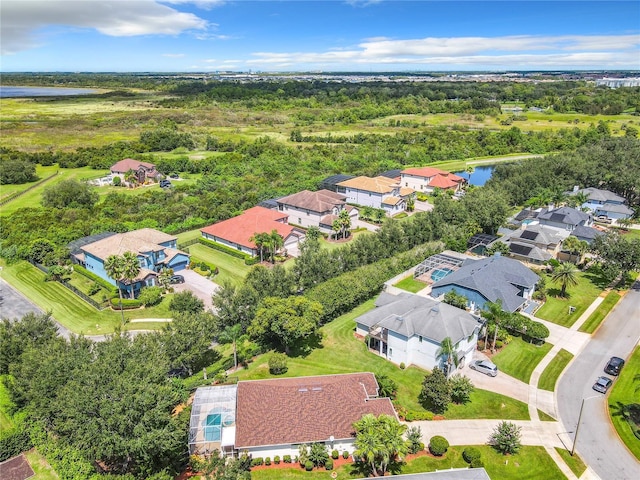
(605,203)
(155,251)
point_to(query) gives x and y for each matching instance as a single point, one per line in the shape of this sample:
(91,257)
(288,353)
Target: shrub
(276,459)
(328,464)
(414,439)
(308,466)
(335,454)
(436,392)
(251,261)
(506,438)
(150,296)
(117,181)
(13,442)
(286,459)
(470,454)
(228,250)
(93,289)
(477,463)
(461,388)
(267,461)
(186,302)
(277,363)
(499,344)
(256,462)
(438,445)
(345,454)
(127,304)
(402,366)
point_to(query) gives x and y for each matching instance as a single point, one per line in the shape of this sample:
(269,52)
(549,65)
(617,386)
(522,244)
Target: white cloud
(173,55)
(22,19)
(522,51)
(204,4)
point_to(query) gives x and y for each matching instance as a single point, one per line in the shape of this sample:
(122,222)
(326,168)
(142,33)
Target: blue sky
(303,35)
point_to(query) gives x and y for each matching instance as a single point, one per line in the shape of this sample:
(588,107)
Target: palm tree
(164,278)
(277,242)
(261,241)
(448,350)
(578,199)
(411,203)
(345,222)
(575,247)
(469,170)
(567,275)
(113,267)
(379,215)
(336,227)
(130,268)
(493,313)
(232,334)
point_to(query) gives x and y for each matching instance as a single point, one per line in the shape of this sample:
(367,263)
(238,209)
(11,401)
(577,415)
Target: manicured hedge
(99,280)
(13,442)
(438,445)
(223,248)
(127,303)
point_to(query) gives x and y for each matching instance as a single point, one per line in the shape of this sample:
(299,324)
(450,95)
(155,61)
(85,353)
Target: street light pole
(575,438)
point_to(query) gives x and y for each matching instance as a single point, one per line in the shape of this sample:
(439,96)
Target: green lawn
(594,320)
(41,467)
(231,269)
(530,462)
(41,172)
(551,374)
(624,402)
(70,310)
(6,422)
(341,352)
(188,235)
(545,417)
(575,463)
(556,308)
(520,358)
(410,284)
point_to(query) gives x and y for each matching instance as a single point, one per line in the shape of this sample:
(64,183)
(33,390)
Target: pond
(10,92)
(479,176)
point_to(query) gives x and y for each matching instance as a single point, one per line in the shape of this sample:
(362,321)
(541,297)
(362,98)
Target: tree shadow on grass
(557,294)
(312,343)
(629,412)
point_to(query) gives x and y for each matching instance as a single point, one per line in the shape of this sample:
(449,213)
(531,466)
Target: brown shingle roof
(137,241)
(321,201)
(123,166)
(305,409)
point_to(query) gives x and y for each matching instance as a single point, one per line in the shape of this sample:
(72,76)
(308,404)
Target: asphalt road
(598,444)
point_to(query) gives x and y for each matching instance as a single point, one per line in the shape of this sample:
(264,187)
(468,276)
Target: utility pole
(575,438)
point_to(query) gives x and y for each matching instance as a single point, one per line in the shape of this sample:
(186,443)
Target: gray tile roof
(566,215)
(408,315)
(587,233)
(615,208)
(495,278)
(600,195)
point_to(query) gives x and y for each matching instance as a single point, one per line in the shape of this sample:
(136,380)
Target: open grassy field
(70,310)
(41,172)
(553,371)
(556,308)
(624,404)
(594,320)
(231,269)
(520,358)
(530,462)
(341,352)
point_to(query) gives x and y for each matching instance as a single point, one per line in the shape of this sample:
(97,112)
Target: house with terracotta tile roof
(426,179)
(315,209)
(155,251)
(377,192)
(143,170)
(273,417)
(237,232)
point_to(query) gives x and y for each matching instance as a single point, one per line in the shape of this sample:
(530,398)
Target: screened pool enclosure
(213,420)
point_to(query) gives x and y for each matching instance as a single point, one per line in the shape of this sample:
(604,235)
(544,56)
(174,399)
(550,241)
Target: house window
(390,351)
(420,338)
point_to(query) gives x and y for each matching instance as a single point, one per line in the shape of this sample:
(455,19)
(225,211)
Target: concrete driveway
(598,443)
(200,286)
(501,383)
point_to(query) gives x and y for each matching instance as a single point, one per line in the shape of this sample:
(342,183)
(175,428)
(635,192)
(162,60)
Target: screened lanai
(438,266)
(213,420)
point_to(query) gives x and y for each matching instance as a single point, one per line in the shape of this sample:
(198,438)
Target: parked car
(602,384)
(176,279)
(165,183)
(614,366)
(603,219)
(485,366)
(174,175)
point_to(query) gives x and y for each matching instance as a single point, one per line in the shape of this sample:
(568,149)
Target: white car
(485,366)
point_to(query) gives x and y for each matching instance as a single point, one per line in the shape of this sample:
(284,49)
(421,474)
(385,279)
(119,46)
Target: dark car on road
(165,183)
(614,366)
(602,384)
(484,366)
(176,279)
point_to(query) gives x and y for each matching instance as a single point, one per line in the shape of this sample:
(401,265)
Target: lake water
(9,92)
(479,176)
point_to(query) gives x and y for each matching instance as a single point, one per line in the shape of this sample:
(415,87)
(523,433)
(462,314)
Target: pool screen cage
(450,260)
(213,420)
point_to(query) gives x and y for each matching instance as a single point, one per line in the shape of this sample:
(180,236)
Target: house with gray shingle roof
(409,329)
(586,234)
(489,280)
(565,217)
(534,243)
(605,203)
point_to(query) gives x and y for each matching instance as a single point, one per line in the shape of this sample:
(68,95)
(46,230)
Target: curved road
(598,443)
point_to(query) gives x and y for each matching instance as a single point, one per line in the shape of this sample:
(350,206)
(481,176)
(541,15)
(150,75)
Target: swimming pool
(529,221)
(440,273)
(213,427)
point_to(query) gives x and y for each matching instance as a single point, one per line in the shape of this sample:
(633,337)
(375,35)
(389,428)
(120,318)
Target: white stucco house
(378,192)
(409,329)
(427,179)
(315,209)
(273,417)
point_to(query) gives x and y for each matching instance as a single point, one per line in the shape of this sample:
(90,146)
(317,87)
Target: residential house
(604,203)
(409,329)
(586,234)
(489,280)
(534,243)
(143,170)
(565,218)
(377,192)
(237,232)
(155,251)
(268,418)
(427,179)
(315,209)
